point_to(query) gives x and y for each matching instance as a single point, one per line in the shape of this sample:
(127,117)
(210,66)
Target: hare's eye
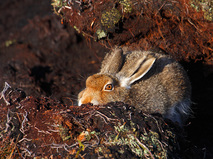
(108,87)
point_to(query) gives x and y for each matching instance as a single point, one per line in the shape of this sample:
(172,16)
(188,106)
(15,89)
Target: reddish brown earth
(46,64)
(41,127)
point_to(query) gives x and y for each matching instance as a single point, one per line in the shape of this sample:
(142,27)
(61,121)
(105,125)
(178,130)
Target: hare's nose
(87,100)
(84,100)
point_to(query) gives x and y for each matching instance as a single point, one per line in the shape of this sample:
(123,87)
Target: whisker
(81,77)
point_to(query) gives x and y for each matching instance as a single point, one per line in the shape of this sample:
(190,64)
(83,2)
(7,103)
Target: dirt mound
(174,26)
(42,127)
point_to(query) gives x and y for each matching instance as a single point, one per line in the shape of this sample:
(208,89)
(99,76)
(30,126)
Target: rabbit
(150,81)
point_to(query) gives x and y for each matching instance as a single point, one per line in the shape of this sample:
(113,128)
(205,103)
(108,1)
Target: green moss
(75,27)
(110,18)
(9,42)
(101,34)
(151,140)
(206,6)
(58,3)
(100,149)
(64,133)
(121,151)
(147,145)
(126,137)
(126,5)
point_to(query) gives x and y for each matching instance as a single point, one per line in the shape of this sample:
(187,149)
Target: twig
(22,124)
(144,147)
(8,121)
(107,118)
(65,146)
(159,128)
(6,86)
(26,151)
(42,131)
(25,139)
(161,7)
(97,141)
(161,145)
(52,130)
(193,25)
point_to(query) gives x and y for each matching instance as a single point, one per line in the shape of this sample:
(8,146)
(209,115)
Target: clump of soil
(42,127)
(174,26)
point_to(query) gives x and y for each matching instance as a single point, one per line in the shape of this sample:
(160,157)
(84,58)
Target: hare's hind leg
(179,111)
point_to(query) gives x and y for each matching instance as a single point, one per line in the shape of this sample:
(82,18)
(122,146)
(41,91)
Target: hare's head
(115,78)
(101,89)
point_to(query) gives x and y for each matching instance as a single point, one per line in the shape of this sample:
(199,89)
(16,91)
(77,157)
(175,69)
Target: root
(6,87)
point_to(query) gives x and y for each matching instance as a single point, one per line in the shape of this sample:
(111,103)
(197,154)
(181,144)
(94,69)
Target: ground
(46,64)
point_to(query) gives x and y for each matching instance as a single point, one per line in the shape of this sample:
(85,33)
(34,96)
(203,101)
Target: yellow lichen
(64,133)
(206,6)
(126,5)
(101,34)
(110,18)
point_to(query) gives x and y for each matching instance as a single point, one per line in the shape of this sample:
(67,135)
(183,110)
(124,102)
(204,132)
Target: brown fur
(150,81)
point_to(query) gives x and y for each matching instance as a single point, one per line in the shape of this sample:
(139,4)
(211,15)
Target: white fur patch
(124,82)
(79,103)
(94,102)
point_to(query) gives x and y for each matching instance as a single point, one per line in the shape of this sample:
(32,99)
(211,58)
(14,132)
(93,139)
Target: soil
(46,64)
(42,127)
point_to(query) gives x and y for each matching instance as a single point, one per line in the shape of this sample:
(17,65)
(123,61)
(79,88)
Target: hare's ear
(135,70)
(144,68)
(112,62)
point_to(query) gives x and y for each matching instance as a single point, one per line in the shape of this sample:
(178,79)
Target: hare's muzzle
(87,96)
(84,100)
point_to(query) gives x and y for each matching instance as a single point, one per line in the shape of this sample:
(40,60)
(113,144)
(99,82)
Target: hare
(150,81)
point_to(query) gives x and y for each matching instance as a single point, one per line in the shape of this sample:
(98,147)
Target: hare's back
(165,84)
